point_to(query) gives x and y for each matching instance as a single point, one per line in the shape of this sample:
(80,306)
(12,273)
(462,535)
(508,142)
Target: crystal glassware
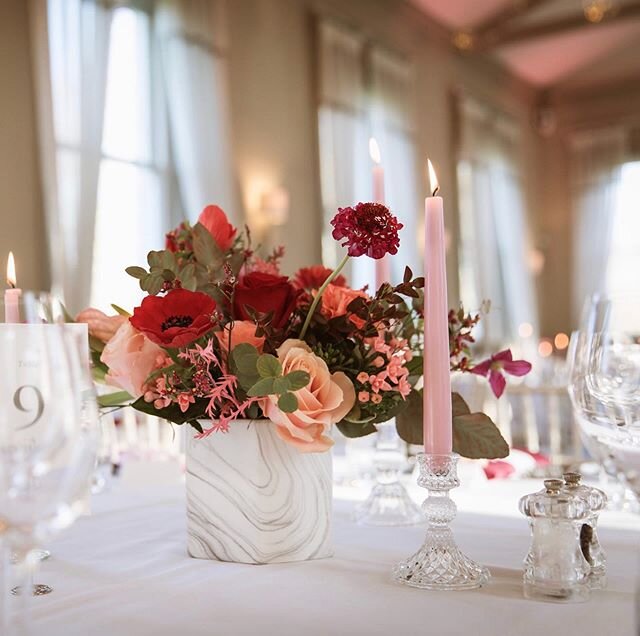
(389,503)
(555,567)
(48,441)
(440,564)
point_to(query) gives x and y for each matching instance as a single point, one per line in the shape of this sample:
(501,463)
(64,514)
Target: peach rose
(131,358)
(101,326)
(243,331)
(336,299)
(324,401)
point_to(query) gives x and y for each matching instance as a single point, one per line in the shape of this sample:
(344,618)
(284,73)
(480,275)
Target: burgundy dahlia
(369,229)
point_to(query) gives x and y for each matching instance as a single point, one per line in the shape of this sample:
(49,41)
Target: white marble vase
(252,498)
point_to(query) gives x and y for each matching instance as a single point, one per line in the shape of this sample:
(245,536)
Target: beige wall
(20,198)
(273,102)
(273,87)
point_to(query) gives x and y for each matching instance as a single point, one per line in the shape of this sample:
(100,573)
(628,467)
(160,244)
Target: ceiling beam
(515,9)
(511,36)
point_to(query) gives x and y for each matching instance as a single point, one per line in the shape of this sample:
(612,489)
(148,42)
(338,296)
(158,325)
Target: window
(355,105)
(129,219)
(494,234)
(624,254)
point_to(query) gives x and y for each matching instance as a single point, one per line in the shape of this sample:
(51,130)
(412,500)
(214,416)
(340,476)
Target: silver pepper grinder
(555,567)
(589,543)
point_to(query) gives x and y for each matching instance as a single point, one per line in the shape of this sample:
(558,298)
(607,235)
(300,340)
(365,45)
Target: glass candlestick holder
(440,564)
(389,503)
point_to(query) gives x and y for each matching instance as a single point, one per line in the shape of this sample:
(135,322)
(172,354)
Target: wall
(274,106)
(22,218)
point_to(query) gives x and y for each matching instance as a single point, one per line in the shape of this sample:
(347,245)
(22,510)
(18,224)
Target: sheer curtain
(392,124)
(192,40)
(345,166)
(70,44)
(364,92)
(494,235)
(597,159)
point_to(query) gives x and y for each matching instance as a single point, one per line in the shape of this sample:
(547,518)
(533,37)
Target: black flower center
(176,321)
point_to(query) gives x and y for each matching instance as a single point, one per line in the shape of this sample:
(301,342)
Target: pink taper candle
(383,265)
(437,425)
(11,295)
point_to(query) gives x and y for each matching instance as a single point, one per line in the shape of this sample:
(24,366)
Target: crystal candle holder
(440,564)
(389,503)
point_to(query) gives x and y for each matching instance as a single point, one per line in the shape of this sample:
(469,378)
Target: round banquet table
(124,570)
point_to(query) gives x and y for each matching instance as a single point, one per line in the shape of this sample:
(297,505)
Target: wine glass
(48,438)
(605,391)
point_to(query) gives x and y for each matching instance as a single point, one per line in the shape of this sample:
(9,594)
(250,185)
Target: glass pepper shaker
(589,543)
(555,567)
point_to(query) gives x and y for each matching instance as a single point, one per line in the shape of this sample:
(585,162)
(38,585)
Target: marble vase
(252,498)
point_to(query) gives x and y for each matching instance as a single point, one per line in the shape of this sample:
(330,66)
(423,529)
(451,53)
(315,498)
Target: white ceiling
(612,48)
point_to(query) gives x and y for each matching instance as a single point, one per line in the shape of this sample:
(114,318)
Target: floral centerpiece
(222,336)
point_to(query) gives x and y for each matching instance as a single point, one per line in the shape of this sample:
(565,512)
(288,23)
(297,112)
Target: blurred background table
(125,570)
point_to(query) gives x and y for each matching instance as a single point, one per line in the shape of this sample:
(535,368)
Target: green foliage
(119,398)
(269,366)
(353,430)
(288,402)
(172,413)
(474,434)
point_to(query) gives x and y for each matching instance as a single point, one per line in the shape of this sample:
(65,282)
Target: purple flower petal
(517,367)
(497,382)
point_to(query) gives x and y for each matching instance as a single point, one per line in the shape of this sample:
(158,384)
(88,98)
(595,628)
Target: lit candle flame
(11,271)
(433,179)
(374,150)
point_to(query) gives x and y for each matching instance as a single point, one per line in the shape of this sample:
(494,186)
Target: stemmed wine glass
(48,440)
(604,384)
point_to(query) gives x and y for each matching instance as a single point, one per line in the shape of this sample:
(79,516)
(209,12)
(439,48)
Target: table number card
(26,402)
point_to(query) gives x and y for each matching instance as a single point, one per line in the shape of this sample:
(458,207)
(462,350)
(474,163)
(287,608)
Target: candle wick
(436,190)
(11,284)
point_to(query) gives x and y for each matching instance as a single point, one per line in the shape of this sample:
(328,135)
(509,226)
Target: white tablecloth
(124,571)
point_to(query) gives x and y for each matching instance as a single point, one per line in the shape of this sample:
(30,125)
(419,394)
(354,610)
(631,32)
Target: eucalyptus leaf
(288,403)
(205,248)
(281,386)
(136,272)
(269,366)
(262,387)
(172,413)
(297,380)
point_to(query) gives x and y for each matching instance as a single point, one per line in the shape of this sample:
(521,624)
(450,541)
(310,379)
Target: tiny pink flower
(184,400)
(378,362)
(379,383)
(363,396)
(376,399)
(362,377)
(496,364)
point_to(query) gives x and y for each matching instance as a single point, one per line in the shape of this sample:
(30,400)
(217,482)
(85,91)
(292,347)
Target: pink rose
(131,358)
(336,299)
(215,220)
(324,401)
(101,326)
(242,331)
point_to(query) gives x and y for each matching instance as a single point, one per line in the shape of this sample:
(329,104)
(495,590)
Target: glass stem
(5,586)
(25,569)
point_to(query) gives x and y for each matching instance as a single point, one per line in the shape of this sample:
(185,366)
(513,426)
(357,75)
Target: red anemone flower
(174,320)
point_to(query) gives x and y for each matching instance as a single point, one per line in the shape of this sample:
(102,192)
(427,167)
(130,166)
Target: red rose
(215,220)
(265,293)
(174,320)
(312,277)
